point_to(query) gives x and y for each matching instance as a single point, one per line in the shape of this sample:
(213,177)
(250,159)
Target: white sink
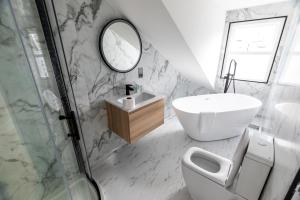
(139,98)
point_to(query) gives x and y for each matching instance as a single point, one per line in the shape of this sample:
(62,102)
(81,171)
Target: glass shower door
(29,168)
(37,158)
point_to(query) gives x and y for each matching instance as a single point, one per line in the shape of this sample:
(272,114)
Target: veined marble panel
(35,46)
(29,165)
(17,170)
(80,25)
(155,159)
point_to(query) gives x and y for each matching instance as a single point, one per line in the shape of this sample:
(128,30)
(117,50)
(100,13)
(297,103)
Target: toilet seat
(220,176)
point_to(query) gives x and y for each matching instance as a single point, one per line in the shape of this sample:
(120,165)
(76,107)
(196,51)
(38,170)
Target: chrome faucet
(230,77)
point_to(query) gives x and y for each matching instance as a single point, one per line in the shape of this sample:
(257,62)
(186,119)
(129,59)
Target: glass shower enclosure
(38,154)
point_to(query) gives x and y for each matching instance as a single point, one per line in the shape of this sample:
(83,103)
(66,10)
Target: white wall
(201,23)
(154,22)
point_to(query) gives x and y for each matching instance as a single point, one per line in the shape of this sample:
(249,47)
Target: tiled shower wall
(80,23)
(29,168)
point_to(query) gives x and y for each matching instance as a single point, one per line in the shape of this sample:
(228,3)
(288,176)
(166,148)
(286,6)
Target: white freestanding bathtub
(216,116)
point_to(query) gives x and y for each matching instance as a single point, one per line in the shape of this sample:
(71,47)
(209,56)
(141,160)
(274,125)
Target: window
(291,71)
(253,45)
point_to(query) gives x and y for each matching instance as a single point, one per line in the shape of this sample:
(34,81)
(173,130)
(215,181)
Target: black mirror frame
(101,46)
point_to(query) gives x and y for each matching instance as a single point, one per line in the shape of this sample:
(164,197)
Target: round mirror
(120,45)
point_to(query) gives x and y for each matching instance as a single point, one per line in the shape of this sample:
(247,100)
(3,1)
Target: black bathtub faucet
(230,76)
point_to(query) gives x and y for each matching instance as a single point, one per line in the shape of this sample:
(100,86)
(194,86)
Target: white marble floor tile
(151,168)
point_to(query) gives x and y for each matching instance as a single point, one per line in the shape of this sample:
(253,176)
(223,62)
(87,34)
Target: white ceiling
(188,33)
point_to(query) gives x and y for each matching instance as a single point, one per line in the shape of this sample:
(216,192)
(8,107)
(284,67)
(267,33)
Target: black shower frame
(292,190)
(70,115)
(241,21)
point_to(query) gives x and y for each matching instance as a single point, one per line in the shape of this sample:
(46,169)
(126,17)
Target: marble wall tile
(20,148)
(80,25)
(37,155)
(30,23)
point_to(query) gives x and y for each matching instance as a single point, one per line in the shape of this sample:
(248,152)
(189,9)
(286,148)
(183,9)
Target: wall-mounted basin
(140,97)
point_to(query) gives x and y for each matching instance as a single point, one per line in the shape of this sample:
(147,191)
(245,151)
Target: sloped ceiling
(188,33)
(201,23)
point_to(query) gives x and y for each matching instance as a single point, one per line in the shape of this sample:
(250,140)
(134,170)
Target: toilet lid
(238,156)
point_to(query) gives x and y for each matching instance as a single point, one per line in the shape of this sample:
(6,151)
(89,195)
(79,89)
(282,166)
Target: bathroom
(195,102)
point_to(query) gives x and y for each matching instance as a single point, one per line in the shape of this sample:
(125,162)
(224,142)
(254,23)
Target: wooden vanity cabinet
(135,124)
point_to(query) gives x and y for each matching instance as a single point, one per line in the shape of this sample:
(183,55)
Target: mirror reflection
(120,45)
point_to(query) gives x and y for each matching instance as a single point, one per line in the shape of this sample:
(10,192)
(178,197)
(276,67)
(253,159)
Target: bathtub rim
(258,106)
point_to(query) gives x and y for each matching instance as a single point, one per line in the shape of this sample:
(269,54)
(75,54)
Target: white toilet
(212,177)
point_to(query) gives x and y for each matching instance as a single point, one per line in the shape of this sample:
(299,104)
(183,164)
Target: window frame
(275,53)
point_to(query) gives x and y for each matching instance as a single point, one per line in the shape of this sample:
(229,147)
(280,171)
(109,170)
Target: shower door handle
(71,135)
(71,120)
(62,117)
